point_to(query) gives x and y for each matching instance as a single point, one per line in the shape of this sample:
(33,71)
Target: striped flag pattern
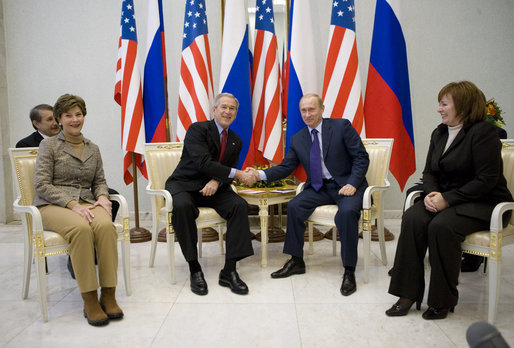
(342,94)
(266,98)
(154,89)
(127,93)
(196,91)
(301,68)
(235,74)
(387,105)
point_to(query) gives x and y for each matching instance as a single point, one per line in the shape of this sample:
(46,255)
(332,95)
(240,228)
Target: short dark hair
(310,95)
(66,102)
(468,99)
(35,114)
(229,95)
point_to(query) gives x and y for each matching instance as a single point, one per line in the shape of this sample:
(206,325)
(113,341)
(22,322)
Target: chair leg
(366,237)
(155,237)
(485,264)
(310,229)
(170,241)
(41,286)
(27,265)
(334,241)
(494,289)
(125,259)
(381,240)
(200,240)
(220,231)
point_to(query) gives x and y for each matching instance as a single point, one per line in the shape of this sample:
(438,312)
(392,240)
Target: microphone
(484,335)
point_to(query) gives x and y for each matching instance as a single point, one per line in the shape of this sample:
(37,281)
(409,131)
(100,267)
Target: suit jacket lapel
(326,136)
(213,132)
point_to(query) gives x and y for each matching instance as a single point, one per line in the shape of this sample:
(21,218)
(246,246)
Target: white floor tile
(301,311)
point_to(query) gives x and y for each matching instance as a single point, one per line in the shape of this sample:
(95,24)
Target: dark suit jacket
(32,140)
(344,154)
(470,173)
(199,161)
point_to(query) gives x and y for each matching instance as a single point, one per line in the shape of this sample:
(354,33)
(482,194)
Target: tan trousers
(83,239)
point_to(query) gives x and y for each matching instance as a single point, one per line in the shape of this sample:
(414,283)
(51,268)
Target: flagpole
(137,234)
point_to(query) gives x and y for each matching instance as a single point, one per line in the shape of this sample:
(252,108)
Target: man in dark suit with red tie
(202,179)
(336,162)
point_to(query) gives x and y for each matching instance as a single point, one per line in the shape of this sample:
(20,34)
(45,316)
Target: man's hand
(347,190)
(247,176)
(253,172)
(210,188)
(105,203)
(435,202)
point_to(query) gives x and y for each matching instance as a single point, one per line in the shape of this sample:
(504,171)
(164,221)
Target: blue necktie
(316,178)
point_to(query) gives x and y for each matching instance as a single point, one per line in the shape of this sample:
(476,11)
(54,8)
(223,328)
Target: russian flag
(387,105)
(235,74)
(300,67)
(154,89)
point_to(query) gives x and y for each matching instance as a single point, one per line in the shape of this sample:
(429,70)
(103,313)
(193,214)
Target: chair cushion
(482,238)
(53,239)
(205,213)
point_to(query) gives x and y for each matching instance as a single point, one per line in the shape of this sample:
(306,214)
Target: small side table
(264,197)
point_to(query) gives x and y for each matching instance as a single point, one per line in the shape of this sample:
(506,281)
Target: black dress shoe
(70,267)
(436,313)
(198,283)
(349,286)
(232,281)
(402,307)
(470,262)
(291,267)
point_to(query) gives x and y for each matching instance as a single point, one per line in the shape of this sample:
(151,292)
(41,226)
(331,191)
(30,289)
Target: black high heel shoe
(437,313)
(402,307)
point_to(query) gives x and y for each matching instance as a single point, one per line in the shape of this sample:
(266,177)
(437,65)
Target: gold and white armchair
(490,243)
(379,151)
(39,243)
(161,160)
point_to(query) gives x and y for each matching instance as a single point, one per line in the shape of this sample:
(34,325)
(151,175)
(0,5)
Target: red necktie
(223,144)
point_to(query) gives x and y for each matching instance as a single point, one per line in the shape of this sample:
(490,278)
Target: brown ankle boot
(92,311)
(108,303)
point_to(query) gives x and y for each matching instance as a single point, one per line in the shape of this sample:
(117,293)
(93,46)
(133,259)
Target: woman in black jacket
(462,181)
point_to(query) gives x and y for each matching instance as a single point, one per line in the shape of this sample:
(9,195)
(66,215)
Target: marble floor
(301,311)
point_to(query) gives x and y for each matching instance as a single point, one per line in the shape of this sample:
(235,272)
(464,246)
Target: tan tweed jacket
(62,177)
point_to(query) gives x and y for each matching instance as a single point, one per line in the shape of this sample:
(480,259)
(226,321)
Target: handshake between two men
(249,176)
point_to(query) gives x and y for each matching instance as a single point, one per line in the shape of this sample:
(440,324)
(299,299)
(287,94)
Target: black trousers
(228,205)
(442,234)
(347,219)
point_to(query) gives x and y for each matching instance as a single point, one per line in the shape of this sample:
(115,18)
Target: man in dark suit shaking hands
(202,178)
(336,162)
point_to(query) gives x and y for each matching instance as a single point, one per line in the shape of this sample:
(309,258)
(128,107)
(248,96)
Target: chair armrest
(409,201)
(37,223)
(497,215)
(168,200)
(366,199)
(233,187)
(299,188)
(123,210)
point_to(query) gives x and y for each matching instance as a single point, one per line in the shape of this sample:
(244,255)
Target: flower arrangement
(494,113)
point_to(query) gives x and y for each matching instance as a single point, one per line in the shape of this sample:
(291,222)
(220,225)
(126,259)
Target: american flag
(266,98)
(342,93)
(196,88)
(127,93)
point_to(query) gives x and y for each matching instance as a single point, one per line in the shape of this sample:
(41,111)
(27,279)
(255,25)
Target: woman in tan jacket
(72,196)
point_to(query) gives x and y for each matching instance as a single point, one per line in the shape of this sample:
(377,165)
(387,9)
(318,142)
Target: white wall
(70,46)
